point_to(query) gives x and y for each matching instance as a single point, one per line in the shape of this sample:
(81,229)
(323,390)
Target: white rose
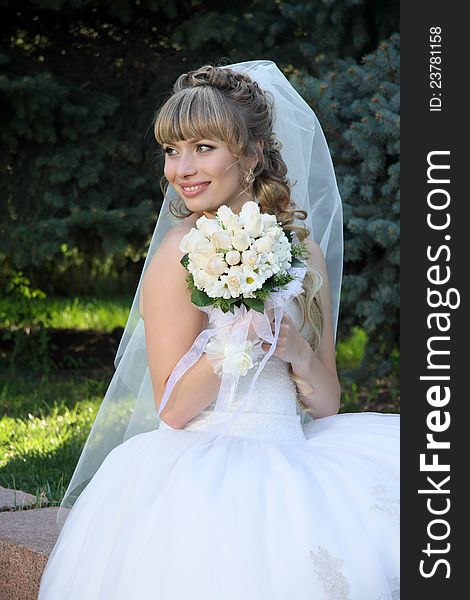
(283,251)
(234,280)
(238,362)
(191,239)
(275,232)
(196,241)
(264,244)
(202,279)
(216,265)
(271,227)
(198,259)
(251,219)
(224,357)
(205,246)
(269,221)
(221,239)
(254,226)
(232,257)
(265,271)
(233,224)
(224,214)
(250,257)
(241,240)
(207,226)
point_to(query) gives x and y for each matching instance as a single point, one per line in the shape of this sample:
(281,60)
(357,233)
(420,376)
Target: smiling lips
(193,190)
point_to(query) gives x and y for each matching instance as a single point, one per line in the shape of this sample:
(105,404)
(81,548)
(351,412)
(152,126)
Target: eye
(168,150)
(205,146)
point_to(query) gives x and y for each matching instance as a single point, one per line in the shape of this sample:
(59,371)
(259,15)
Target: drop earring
(249,176)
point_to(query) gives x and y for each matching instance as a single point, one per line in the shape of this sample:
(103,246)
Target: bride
(198,482)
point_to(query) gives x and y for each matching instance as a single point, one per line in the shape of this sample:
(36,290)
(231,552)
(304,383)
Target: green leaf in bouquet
(300,251)
(200,298)
(288,234)
(282,279)
(263,293)
(297,263)
(226,304)
(231,303)
(254,303)
(185,260)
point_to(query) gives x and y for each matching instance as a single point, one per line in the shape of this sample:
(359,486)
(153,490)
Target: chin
(200,204)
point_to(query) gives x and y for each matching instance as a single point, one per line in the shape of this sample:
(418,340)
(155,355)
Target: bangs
(198,113)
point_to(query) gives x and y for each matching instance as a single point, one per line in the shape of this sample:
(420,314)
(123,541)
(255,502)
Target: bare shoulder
(176,233)
(165,265)
(169,249)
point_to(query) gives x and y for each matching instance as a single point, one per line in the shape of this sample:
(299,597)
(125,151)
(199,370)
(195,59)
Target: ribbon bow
(238,324)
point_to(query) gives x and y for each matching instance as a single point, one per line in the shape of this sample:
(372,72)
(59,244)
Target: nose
(186,165)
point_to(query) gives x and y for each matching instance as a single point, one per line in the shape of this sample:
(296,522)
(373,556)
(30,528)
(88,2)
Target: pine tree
(358,106)
(79,168)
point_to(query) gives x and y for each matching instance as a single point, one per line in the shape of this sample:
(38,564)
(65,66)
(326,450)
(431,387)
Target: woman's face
(205,174)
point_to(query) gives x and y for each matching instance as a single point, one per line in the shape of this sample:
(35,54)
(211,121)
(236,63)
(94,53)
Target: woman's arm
(318,369)
(322,390)
(171,325)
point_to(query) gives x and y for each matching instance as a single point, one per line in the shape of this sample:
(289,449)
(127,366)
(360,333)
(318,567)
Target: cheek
(230,173)
(226,166)
(168,171)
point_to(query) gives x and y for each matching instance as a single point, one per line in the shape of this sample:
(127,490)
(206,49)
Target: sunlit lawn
(46,420)
(45,424)
(81,313)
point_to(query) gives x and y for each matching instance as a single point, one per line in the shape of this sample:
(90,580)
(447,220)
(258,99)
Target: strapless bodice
(273,413)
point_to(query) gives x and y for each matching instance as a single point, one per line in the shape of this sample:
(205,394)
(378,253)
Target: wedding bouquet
(237,263)
(237,259)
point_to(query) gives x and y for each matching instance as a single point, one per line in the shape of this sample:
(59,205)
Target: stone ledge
(17,499)
(27,538)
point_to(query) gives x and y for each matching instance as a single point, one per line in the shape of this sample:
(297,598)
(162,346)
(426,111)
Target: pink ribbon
(238,324)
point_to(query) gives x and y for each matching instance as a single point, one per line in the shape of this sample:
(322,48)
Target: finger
(273,323)
(267,347)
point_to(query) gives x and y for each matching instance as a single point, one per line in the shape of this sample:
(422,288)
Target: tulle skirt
(167,517)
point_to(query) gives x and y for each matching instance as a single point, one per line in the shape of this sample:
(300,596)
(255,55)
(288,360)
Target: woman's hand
(291,346)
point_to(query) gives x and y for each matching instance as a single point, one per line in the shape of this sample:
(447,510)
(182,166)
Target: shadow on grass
(45,474)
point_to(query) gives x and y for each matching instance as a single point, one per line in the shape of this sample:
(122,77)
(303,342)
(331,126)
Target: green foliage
(199,297)
(41,439)
(66,177)
(286,30)
(80,82)
(22,315)
(82,313)
(358,106)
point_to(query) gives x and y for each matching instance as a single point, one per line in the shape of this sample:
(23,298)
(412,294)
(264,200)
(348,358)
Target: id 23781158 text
(435,69)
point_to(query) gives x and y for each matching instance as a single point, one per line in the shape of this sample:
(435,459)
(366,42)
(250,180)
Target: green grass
(46,419)
(80,313)
(44,427)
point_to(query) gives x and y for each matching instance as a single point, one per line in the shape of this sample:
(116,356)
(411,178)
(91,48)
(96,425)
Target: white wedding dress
(275,511)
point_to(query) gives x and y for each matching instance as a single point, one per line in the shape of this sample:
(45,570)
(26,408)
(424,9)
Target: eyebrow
(192,141)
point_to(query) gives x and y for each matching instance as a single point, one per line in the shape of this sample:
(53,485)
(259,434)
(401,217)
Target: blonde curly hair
(218,102)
